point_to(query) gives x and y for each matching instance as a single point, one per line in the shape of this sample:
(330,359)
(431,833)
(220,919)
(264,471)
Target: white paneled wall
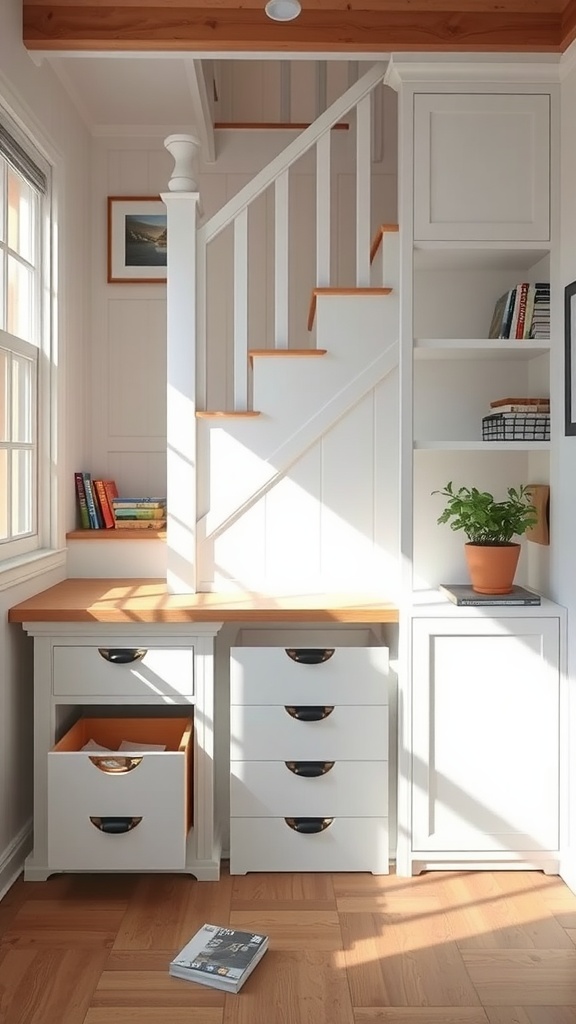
(331,521)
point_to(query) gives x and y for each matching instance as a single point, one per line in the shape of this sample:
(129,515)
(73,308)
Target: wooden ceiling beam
(568,24)
(104,28)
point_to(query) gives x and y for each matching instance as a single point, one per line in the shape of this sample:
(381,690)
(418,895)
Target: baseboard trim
(13,857)
(567,872)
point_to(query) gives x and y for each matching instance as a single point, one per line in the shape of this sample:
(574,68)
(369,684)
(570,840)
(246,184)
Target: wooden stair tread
(342,126)
(208,414)
(340,291)
(271,353)
(377,240)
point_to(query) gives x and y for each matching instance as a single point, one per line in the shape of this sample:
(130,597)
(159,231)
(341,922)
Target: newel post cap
(184,150)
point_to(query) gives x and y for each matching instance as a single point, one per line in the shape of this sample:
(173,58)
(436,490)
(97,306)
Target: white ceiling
(129,92)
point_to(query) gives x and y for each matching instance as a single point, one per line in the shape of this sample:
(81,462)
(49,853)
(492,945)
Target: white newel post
(182,202)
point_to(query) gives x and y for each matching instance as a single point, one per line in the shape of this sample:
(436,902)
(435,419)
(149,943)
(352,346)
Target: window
(23,266)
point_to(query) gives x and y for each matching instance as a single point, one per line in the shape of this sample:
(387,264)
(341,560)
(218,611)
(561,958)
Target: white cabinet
(165,673)
(309,759)
(485,759)
(481,166)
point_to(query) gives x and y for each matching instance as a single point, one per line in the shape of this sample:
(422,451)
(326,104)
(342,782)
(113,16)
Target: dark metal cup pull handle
(309,655)
(309,826)
(310,712)
(115,826)
(122,655)
(309,769)
(115,765)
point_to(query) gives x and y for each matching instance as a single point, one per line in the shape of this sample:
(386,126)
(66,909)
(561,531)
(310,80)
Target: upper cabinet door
(482,167)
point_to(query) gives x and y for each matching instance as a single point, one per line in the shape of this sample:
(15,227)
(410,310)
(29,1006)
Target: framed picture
(570,358)
(136,239)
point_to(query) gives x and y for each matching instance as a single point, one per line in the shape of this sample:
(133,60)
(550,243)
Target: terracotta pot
(492,569)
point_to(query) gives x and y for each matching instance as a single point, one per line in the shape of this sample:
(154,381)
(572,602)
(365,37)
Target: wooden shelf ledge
(290,353)
(223,414)
(274,126)
(149,534)
(384,229)
(340,291)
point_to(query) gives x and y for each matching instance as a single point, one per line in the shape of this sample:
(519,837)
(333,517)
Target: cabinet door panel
(482,167)
(485,726)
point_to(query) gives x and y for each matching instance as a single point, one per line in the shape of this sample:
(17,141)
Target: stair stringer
(329,521)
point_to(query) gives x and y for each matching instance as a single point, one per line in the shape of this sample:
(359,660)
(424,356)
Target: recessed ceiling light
(283,10)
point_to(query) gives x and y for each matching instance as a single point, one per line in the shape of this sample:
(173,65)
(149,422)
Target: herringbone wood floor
(442,948)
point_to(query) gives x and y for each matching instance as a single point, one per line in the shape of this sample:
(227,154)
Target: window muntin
(21,346)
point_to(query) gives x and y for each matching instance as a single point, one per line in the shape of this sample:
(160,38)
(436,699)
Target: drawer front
(162,671)
(348,844)
(267,675)
(271,733)
(354,789)
(155,791)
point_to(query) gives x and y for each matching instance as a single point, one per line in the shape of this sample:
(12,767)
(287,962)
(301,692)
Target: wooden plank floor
(441,948)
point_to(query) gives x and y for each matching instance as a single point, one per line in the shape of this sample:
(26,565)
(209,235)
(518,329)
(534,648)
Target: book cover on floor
(219,957)
(462,594)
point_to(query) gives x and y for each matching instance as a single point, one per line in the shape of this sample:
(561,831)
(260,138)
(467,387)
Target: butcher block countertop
(147,600)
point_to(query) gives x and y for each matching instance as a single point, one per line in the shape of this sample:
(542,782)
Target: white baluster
(241,311)
(281,238)
(323,182)
(363,156)
(184,150)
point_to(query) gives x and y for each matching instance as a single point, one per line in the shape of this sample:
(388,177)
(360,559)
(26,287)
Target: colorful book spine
(92,513)
(520,314)
(139,513)
(82,505)
(102,499)
(139,502)
(140,524)
(111,491)
(508,314)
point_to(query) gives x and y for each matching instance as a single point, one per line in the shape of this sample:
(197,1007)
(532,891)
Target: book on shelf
(221,958)
(140,502)
(464,596)
(105,507)
(499,403)
(522,313)
(91,502)
(81,500)
(139,513)
(526,410)
(139,524)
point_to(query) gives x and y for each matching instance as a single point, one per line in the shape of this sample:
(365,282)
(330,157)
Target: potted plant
(489,525)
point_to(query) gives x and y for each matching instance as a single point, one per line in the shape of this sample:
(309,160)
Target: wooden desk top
(147,600)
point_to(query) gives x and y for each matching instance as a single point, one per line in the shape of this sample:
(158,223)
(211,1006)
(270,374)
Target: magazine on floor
(219,957)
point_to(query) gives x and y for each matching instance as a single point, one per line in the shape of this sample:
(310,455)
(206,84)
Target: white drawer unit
(278,675)
(348,789)
(324,844)
(110,812)
(309,759)
(86,819)
(115,671)
(309,731)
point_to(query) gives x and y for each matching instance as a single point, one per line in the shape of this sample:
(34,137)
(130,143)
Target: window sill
(17,570)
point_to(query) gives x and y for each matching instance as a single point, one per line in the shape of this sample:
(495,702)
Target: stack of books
(517,419)
(219,957)
(94,500)
(523,313)
(139,513)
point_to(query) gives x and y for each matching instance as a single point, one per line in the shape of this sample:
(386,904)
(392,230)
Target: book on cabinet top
(464,596)
(221,958)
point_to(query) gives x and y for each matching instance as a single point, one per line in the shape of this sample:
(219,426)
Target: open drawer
(123,810)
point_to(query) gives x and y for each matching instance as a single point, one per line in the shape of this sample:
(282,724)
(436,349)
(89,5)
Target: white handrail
(261,181)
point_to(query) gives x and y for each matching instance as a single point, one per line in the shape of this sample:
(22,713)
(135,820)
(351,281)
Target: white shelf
(482,446)
(476,256)
(478,348)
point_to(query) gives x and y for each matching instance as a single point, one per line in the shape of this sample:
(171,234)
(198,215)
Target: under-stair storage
(134,809)
(309,759)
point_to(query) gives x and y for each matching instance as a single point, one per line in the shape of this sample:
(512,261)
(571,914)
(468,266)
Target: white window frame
(17,551)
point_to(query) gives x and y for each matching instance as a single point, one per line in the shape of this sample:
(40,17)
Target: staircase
(297,475)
